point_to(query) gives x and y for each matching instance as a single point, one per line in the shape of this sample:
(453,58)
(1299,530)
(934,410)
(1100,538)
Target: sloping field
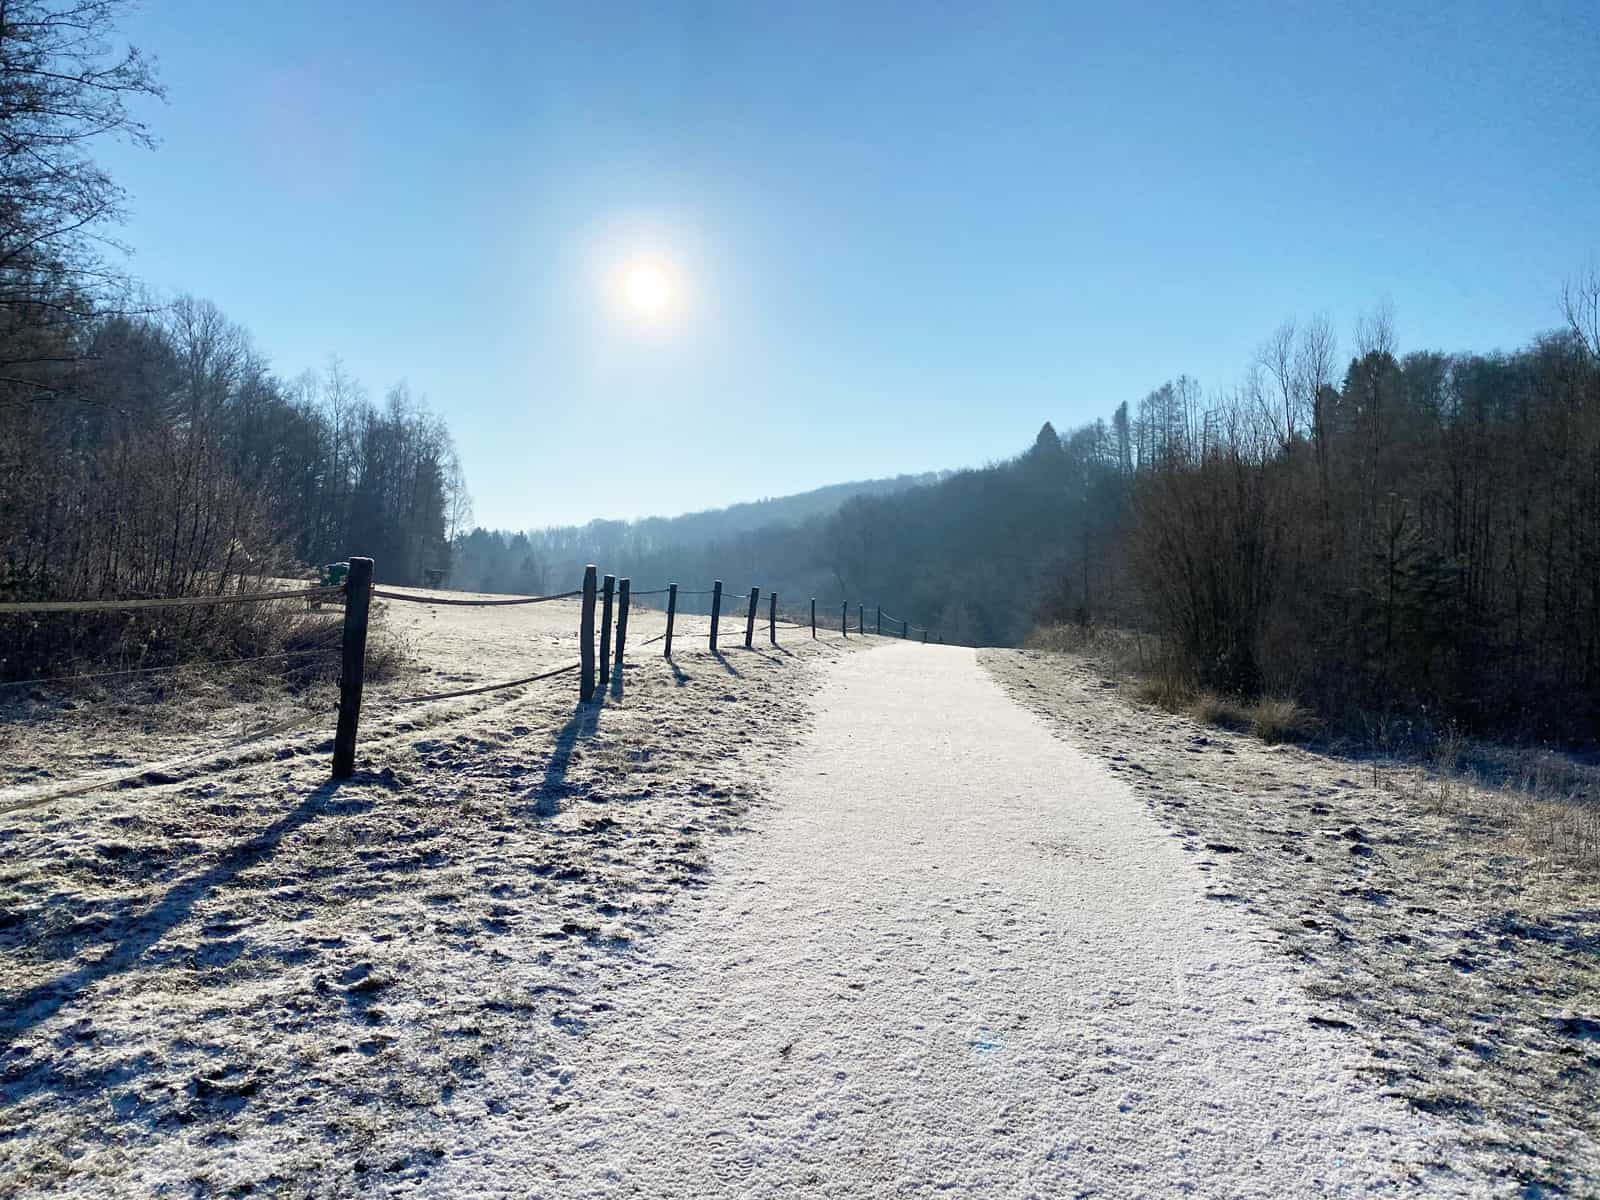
(240,977)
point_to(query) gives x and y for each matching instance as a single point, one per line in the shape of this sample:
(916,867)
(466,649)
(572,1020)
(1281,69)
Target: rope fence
(385,594)
(323,651)
(51,606)
(136,775)
(358,591)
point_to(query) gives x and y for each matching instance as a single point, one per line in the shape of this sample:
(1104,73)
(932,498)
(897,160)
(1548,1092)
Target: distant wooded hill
(1410,539)
(540,560)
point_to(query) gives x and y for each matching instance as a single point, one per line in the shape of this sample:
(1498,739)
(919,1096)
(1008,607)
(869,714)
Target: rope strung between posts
(388,595)
(169,602)
(123,780)
(488,687)
(201,662)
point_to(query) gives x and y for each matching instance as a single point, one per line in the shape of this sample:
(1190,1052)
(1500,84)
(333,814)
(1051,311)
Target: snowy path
(956,956)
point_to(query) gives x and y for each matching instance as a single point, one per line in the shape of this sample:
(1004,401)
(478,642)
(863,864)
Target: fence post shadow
(42,1001)
(580,726)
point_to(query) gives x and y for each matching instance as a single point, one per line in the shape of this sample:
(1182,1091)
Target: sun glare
(649,290)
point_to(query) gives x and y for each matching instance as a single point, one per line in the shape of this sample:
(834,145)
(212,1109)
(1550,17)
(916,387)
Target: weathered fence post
(844,620)
(622,619)
(902,629)
(861,619)
(352,665)
(716,611)
(750,618)
(672,612)
(924,637)
(880,620)
(607,591)
(586,638)
(772,618)
(813,618)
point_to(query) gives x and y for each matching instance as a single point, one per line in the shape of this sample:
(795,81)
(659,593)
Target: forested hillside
(1413,535)
(146,449)
(1417,538)
(539,560)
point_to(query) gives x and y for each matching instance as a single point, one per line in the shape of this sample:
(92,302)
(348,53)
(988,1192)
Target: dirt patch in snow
(235,977)
(1470,972)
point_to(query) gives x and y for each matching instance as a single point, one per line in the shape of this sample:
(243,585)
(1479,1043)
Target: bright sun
(649,289)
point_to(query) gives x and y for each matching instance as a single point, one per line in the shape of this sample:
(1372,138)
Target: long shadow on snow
(580,726)
(42,1001)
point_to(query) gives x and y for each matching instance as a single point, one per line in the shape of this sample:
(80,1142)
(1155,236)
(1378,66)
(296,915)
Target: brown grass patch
(1282,719)
(1225,712)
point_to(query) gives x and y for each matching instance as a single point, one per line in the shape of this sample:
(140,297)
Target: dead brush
(1543,805)
(1282,719)
(1165,690)
(1212,708)
(1118,653)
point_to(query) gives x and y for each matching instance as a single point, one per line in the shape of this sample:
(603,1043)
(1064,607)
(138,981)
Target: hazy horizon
(667,259)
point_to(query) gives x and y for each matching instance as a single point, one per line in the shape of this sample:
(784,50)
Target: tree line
(150,450)
(1419,537)
(1415,536)
(1388,535)
(166,458)
(695,545)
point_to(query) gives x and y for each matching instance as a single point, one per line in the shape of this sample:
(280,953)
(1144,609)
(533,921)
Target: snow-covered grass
(238,978)
(1459,942)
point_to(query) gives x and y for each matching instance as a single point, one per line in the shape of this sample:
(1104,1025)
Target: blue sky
(905,235)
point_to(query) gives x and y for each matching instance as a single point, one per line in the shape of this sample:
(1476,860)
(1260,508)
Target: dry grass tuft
(1273,719)
(1164,691)
(1120,653)
(1225,712)
(1282,719)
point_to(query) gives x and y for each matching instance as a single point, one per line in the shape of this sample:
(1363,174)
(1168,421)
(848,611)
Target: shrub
(1209,708)
(1280,719)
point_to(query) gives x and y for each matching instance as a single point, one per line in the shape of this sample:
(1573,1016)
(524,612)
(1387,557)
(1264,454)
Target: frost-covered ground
(1462,960)
(239,978)
(957,957)
(518,956)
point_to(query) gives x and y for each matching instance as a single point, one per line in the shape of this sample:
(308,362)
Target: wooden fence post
(586,638)
(880,620)
(813,618)
(772,618)
(844,620)
(622,619)
(750,618)
(608,590)
(352,665)
(924,637)
(716,611)
(861,619)
(902,629)
(672,612)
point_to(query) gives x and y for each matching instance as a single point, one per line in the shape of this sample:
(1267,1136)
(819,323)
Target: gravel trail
(956,955)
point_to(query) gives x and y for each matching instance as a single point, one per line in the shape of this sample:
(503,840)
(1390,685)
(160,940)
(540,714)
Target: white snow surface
(955,955)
